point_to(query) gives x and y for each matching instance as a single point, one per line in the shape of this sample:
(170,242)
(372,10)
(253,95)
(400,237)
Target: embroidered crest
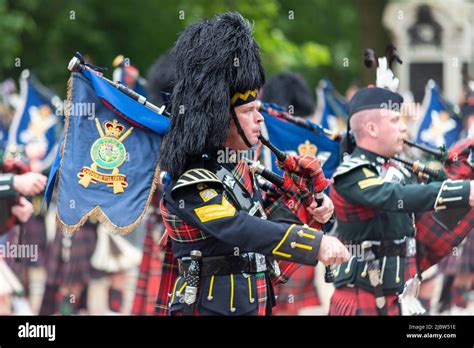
(107,152)
(307,149)
(208,194)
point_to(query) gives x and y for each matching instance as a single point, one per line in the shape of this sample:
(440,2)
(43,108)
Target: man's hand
(23,210)
(29,184)
(471,194)
(332,251)
(323,213)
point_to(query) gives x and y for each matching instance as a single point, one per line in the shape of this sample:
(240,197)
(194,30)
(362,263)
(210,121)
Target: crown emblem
(307,149)
(108,152)
(113,129)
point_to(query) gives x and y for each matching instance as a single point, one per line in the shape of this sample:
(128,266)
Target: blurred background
(319,43)
(313,37)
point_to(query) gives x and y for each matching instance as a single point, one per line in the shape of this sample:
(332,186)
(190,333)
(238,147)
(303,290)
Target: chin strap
(239,128)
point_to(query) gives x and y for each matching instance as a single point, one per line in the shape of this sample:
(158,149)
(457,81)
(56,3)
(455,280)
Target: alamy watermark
(76,109)
(233,156)
(410,109)
(20,251)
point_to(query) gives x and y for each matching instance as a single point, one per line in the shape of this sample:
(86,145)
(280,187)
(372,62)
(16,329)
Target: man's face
(249,119)
(391,132)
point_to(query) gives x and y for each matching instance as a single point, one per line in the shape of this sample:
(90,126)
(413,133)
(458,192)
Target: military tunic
(374,203)
(200,212)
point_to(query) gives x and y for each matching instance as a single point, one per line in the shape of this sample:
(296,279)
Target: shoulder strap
(195,176)
(351,164)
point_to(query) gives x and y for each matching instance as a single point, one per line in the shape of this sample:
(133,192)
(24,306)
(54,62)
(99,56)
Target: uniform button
(293,245)
(363,157)
(232,309)
(300,233)
(210,298)
(445,188)
(440,200)
(252,300)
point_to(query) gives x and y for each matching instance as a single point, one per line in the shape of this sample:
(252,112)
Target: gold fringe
(97,212)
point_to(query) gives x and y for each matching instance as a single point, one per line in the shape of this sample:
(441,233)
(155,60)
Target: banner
(35,120)
(439,125)
(107,164)
(296,140)
(333,107)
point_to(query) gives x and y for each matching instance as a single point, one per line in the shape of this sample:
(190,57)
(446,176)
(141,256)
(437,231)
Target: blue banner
(35,120)
(135,112)
(439,125)
(296,140)
(100,155)
(334,110)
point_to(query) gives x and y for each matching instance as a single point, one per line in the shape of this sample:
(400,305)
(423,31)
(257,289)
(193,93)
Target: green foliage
(312,37)
(12,25)
(278,51)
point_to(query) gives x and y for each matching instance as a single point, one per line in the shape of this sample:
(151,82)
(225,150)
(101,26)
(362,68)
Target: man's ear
(372,129)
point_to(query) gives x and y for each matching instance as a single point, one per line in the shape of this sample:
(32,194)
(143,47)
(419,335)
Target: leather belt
(405,247)
(225,265)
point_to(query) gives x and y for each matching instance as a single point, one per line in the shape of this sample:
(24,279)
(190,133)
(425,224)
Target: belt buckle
(410,247)
(276,268)
(260,263)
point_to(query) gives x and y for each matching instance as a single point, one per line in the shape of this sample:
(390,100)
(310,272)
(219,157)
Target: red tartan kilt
(467,258)
(148,282)
(434,242)
(357,301)
(298,293)
(461,264)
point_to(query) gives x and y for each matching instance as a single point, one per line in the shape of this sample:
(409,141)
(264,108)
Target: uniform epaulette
(350,164)
(195,176)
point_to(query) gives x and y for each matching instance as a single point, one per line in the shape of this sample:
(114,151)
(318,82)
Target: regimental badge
(107,152)
(307,149)
(208,194)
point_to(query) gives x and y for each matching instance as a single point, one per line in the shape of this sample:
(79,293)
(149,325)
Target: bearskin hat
(287,89)
(217,62)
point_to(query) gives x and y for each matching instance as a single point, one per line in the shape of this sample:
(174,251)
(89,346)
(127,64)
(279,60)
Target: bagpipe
(77,64)
(423,172)
(438,232)
(456,164)
(274,110)
(303,182)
